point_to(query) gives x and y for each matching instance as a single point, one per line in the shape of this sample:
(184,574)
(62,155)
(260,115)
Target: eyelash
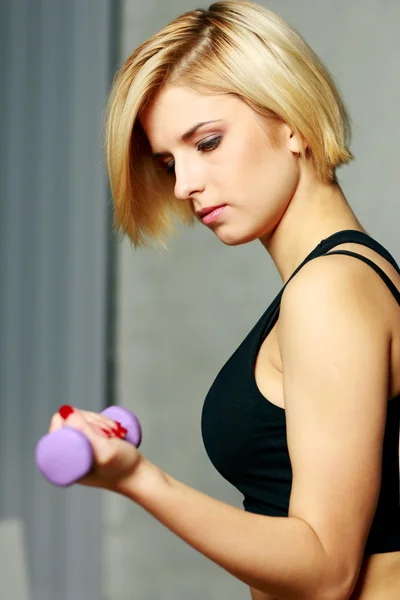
(207,146)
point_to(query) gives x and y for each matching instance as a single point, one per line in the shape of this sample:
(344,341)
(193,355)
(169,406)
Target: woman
(227,117)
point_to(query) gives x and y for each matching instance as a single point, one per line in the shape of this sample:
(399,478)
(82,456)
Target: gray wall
(181,314)
(55,63)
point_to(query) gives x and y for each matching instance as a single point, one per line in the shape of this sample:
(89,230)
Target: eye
(205,146)
(170,167)
(210,144)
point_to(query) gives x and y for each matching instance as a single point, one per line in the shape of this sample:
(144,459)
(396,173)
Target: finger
(61,420)
(56,422)
(99,418)
(95,436)
(102,422)
(105,450)
(105,430)
(108,427)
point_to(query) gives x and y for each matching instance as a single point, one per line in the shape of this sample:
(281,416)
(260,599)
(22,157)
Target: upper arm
(335,356)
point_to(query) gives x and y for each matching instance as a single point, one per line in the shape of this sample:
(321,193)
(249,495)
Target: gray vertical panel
(54,62)
(13,255)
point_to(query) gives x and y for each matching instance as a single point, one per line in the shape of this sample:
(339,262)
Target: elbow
(338,588)
(339,592)
(338,575)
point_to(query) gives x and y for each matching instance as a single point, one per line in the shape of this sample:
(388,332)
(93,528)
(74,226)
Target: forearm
(279,556)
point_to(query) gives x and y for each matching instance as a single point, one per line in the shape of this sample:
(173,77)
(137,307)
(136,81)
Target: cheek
(265,176)
(284,175)
(242,163)
(270,186)
(229,166)
(279,172)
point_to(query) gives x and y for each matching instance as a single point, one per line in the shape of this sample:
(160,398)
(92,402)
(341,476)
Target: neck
(316,211)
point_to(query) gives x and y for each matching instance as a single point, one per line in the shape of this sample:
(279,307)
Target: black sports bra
(245,435)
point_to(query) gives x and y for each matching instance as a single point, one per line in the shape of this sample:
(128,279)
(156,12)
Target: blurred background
(86,320)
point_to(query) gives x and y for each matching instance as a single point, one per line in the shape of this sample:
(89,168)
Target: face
(238,183)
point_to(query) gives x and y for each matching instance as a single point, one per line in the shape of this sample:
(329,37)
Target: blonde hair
(233,47)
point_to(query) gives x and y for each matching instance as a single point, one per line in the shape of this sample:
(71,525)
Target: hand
(113,458)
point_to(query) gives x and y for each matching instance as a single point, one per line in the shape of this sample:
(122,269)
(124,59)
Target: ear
(295,142)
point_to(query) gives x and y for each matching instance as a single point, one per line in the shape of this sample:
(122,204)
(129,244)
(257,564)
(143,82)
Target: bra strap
(374,266)
(352,236)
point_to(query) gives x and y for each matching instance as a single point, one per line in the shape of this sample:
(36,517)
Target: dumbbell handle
(65,456)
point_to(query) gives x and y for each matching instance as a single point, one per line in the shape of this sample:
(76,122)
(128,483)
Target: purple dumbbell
(65,456)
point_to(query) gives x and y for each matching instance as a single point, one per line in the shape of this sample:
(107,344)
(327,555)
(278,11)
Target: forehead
(175,109)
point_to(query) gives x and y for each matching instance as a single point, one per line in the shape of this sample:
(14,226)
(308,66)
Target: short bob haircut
(233,47)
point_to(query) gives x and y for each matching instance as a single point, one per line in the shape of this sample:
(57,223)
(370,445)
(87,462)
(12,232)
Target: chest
(243,432)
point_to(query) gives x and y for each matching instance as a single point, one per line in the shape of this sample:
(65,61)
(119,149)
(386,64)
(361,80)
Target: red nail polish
(65,411)
(116,432)
(121,431)
(106,432)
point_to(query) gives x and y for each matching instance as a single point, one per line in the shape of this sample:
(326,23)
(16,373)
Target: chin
(238,238)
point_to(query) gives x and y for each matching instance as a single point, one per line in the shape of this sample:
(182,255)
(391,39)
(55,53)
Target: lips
(205,211)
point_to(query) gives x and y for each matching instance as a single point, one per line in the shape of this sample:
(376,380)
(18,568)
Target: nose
(189,180)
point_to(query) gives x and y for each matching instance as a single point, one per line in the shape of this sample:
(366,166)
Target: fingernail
(65,411)
(118,433)
(119,430)
(106,432)
(122,430)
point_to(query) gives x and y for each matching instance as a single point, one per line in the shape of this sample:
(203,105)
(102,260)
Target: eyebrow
(186,136)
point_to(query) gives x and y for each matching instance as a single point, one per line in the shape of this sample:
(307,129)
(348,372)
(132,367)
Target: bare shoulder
(335,305)
(339,282)
(331,314)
